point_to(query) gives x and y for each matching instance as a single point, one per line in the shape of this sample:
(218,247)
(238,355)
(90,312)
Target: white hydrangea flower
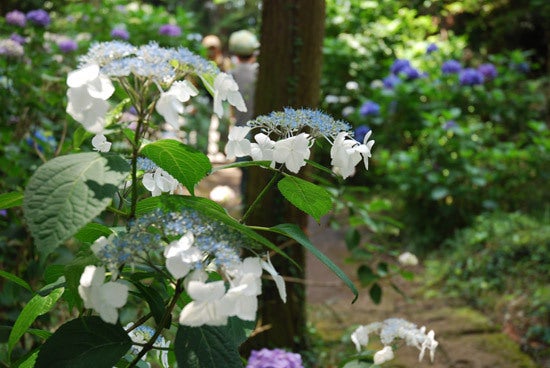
(238,145)
(104,298)
(159,182)
(170,103)
(344,159)
(181,256)
(407,259)
(383,355)
(87,95)
(292,151)
(207,307)
(393,328)
(226,89)
(263,148)
(100,143)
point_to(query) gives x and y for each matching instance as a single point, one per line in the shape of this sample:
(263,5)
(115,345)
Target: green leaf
(91,232)
(86,342)
(294,232)
(80,134)
(11,199)
(186,164)
(366,276)
(154,299)
(37,306)
(353,237)
(27,361)
(67,192)
(19,281)
(206,346)
(310,198)
(375,293)
(239,330)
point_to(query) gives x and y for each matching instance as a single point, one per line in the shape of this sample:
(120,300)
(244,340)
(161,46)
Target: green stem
(260,197)
(165,319)
(117,211)
(135,152)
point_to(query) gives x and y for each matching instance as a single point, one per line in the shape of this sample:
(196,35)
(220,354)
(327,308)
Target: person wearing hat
(214,51)
(243,45)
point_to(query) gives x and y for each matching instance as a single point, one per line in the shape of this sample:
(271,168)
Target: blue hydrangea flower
(450,124)
(432,47)
(398,66)
(39,17)
(451,67)
(369,108)
(276,358)
(16,18)
(410,73)
(360,133)
(488,70)
(170,30)
(470,77)
(290,122)
(391,81)
(120,33)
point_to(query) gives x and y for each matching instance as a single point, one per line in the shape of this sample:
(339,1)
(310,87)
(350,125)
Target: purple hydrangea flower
(398,65)
(360,132)
(4,213)
(451,67)
(391,81)
(276,358)
(18,38)
(488,70)
(120,33)
(39,17)
(67,45)
(432,47)
(171,30)
(369,108)
(16,18)
(470,77)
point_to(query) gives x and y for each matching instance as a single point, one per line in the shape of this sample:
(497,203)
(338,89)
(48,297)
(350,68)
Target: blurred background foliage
(459,171)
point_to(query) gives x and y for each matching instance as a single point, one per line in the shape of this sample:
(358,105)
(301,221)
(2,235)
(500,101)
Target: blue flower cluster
(121,59)
(290,122)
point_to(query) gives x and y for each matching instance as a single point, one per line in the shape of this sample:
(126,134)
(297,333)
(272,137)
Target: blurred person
(214,52)
(243,45)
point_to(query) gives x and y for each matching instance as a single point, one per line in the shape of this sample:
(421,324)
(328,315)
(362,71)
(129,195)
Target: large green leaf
(11,199)
(86,342)
(37,306)
(239,330)
(186,164)
(310,198)
(67,192)
(206,346)
(92,231)
(294,232)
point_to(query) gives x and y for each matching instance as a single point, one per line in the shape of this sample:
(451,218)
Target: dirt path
(466,338)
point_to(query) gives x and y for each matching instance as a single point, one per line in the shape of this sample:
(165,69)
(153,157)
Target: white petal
(235,99)
(177,267)
(279,281)
(238,133)
(100,87)
(197,314)
(114,293)
(202,291)
(78,78)
(169,108)
(383,355)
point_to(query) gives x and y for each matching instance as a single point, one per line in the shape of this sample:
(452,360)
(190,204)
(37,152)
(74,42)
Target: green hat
(243,43)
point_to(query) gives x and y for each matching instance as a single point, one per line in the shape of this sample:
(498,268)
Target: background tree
(289,76)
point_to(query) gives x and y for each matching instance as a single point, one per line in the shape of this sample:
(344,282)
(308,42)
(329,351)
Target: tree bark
(289,76)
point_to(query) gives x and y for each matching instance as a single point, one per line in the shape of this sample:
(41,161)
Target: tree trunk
(289,76)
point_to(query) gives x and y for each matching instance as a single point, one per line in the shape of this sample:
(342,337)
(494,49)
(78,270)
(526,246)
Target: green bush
(501,264)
